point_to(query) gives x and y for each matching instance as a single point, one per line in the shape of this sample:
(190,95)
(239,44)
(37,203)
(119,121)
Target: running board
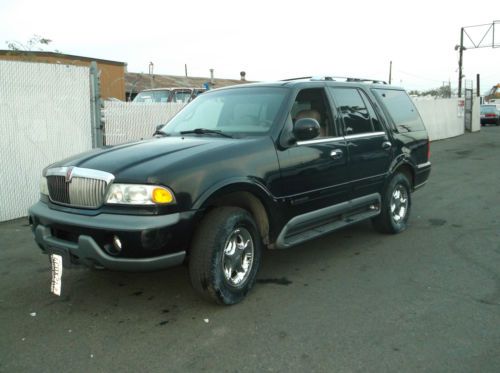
(317,223)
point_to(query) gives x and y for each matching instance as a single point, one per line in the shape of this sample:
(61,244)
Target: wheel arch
(405,167)
(248,196)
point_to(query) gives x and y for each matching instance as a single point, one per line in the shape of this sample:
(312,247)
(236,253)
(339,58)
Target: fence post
(95,106)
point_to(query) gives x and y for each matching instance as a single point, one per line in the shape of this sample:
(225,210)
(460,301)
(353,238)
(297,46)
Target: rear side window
(401,109)
(351,106)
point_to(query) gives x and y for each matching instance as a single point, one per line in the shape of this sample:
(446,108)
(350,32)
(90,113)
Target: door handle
(336,153)
(386,145)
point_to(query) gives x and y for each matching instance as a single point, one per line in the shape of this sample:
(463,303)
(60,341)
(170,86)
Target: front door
(314,172)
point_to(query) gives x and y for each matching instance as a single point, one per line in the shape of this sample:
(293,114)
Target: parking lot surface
(424,300)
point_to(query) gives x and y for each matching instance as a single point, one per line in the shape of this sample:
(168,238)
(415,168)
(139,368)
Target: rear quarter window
(401,109)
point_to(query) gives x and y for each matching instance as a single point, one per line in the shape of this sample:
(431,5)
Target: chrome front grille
(78,187)
(58,189)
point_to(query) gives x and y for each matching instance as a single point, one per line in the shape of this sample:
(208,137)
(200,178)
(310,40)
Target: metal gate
(468,109)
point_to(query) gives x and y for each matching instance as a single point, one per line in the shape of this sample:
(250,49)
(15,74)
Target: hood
(151,155)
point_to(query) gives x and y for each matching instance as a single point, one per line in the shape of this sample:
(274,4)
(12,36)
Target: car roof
(313,81)
(170,89)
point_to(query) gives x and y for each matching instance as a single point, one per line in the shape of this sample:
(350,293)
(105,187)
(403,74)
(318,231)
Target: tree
(441,92)
(35,43)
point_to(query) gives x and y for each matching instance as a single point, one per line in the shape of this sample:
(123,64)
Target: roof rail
(301,78)
(337,78)
(363,80)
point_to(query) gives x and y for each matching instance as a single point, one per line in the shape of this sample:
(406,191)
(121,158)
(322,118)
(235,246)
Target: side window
(312,103)
(401,109)
(161,96)
(353,111)
(181,96)
(377,126)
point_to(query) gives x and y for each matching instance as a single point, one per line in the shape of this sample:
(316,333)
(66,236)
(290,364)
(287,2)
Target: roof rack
(363,80)
(337,78)
(301,78)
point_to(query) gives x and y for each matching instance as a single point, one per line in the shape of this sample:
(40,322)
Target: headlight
(135,194)
(44,188)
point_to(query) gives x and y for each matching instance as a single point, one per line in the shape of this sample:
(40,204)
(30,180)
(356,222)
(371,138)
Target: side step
(317,223)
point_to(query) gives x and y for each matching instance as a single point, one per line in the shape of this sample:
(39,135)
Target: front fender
(236,184)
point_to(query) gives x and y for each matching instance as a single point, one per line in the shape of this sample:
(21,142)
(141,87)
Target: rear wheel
(225,255)
(396,204)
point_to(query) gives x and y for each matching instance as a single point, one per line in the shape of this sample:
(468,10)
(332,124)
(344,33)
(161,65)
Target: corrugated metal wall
(129,121)
(44,117)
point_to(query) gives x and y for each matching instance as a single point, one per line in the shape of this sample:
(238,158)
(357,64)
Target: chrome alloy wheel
(399,203)
(237,258)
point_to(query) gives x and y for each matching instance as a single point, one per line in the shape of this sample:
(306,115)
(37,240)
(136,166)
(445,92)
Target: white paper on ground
(57,268)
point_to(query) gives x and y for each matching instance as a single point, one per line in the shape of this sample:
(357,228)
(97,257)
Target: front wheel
(396,204)
(225,255)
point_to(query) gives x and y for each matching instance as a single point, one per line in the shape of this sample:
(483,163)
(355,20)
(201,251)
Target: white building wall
(444,118)
(476,115)
(44,117)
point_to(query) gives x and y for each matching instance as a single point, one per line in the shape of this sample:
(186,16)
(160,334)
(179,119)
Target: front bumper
(490,120)
(150,242)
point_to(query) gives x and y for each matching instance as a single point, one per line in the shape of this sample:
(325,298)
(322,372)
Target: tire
(396,206)
(225,255)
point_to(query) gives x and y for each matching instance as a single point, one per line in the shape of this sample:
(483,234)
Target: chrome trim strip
(424,165)
(419,185)
(320,141)
(349,137)
(291,196)
(365,135)
(87,173)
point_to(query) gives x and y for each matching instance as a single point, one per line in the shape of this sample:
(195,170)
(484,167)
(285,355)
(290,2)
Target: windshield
(488,109)
(239,111)
(152,96)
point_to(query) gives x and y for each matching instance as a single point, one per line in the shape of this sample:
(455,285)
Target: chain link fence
(44,117)
(129,121)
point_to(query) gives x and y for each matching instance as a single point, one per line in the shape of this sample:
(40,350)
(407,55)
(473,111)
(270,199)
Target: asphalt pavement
(354,301)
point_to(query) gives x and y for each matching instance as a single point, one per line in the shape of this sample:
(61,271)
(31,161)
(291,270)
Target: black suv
(238,169)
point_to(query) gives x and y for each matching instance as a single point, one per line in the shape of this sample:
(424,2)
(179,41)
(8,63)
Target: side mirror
(158,129)
(306,129)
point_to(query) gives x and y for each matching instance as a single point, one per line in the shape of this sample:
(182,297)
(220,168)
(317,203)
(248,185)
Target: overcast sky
(269,39)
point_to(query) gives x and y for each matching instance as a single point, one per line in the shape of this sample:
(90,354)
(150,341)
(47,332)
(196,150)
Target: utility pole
(460,60)
(390,72)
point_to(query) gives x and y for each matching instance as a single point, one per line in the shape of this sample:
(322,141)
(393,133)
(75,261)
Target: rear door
(368,146)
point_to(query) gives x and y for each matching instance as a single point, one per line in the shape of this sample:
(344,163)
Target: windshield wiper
(203,131)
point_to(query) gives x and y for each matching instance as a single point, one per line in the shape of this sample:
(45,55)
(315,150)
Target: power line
(418,76)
